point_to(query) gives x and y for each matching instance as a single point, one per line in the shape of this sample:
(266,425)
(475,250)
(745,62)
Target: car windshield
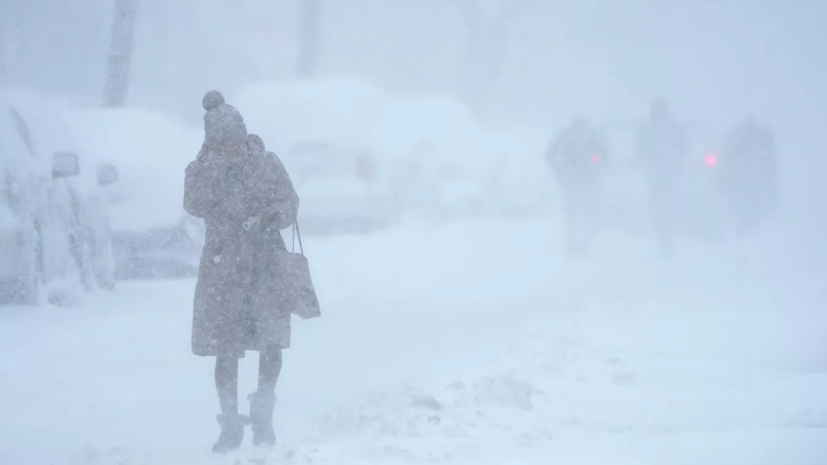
(14,161)
(22,130)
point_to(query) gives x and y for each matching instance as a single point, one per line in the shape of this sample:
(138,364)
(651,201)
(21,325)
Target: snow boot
(261,418)
(232,432)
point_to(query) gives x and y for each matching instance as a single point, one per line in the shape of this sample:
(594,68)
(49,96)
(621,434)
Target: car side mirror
(65,165)
(107,174)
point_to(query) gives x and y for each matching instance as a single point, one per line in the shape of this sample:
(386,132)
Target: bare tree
(486,48)
(309,38)
(121,46)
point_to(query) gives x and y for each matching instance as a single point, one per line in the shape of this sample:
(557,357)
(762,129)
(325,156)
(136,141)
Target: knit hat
(212,99)
(222,122)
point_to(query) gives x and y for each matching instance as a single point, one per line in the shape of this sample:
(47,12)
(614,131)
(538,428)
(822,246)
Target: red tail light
(596,159)
(711,160)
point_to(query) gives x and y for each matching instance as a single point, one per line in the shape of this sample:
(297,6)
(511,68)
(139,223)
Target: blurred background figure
(749,176)
(663,147)
(575,156)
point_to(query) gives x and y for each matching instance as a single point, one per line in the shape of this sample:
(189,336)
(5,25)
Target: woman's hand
(269,214)
(274,212)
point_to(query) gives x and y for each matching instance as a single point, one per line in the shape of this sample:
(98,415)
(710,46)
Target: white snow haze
(459,325)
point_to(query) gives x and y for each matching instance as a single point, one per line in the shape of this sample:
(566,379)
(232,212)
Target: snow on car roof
(43,125)
(340,110)
(440,121)
(345,111)
(151,152)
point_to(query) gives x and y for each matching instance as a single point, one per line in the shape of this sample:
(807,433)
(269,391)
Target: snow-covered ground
(473,343)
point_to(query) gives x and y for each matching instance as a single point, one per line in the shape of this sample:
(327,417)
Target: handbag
(299,292)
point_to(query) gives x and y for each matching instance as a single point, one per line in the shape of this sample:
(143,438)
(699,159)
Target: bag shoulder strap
(297,233)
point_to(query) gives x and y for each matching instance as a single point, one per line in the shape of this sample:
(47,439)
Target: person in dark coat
(244,196)
(663,147)
(749,174)
(576,157)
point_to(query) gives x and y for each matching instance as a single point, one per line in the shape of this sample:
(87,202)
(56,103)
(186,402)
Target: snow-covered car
(445,155)
(426,183)
(54,232)
(342,189)
(425,154)
(153,237)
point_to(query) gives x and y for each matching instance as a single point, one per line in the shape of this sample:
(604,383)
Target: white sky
(711,57)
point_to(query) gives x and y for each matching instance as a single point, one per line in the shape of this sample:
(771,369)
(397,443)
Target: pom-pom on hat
(212,99)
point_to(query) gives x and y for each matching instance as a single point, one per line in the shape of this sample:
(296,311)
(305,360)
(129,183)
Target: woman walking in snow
(244,196)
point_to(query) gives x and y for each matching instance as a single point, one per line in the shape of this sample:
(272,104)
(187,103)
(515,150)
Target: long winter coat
(237,297)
